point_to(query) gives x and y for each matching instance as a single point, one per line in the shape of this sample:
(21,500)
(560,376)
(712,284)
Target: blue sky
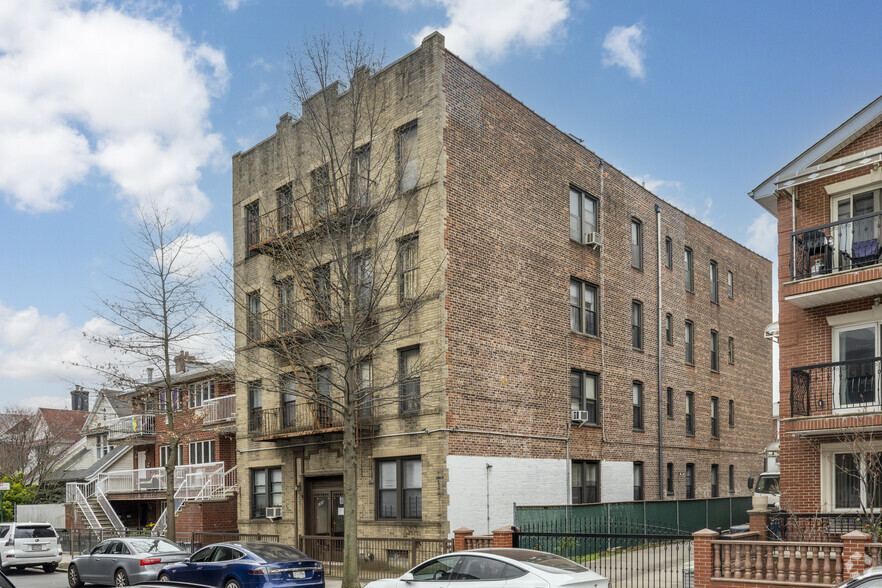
(105,106)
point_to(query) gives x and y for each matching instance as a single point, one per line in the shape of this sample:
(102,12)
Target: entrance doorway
(324,516)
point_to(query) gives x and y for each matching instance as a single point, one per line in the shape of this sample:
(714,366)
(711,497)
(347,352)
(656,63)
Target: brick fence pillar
(504,537)
(759,522)
(459,538)
(854,553)
(703,557)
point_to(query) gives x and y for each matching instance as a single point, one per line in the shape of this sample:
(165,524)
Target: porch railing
(302,417)
(219,410)
(836,247)
(840,386)
(778,561)
(137,425)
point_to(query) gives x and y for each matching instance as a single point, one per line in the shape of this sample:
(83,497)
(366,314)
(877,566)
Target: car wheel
(73,577)
(231,583)
(163,577)
(50,568)
(120,578)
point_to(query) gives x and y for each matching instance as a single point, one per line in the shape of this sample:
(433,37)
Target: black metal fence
(836,247)
(822,527)
(818,389)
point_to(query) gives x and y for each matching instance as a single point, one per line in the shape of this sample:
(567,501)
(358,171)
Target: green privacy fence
(681,517)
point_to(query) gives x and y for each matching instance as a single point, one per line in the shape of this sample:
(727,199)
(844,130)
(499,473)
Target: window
(637,405)
(321,191)
(289,387)
(714,283)
(690,480)
(364,381)
(364,282)
(361,176)
(669,252)
(586,482)
(690,275)
(730,284)
(285,210)
(164,454)
(323,387)
(201,452)
(266,490)
(638,480)
(288,312)
(731,479)
(715,417)
(408,268)
(688,334)
(714,355)
(177,400)
(321,280)
(200,392)
(636,324)
(409,380)
(436,569)
(731,413)
(856,477)
(583,307)
(715,481)
(670,479)
(846,481)
(408,161)
(636,244)
(670,403)
(583,395)
(400,488)
(583,215)
(252,320)
(690,414)
(102,446)
(255,406)
(669,329)
(252,226)
(731,351)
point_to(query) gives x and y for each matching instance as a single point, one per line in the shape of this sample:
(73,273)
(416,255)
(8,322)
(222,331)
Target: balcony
(835,262)
(189,479)
(131,427)
(219,410)
(843,387)
(296,420)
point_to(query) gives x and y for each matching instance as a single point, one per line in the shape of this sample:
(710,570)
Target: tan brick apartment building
(539,401)
(827,202)
(120,478)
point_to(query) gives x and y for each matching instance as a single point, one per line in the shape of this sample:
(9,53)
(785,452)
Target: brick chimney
(79,399)
(181,361)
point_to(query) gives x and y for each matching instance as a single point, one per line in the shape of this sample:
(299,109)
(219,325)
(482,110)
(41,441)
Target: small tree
(156,313)
(352,282)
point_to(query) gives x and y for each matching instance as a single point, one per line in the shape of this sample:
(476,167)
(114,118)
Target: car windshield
(154,546)
(547,562)
(274,551)
(767,485)
(31,531)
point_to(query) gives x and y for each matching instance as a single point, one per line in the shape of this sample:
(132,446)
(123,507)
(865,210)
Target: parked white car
(29,545)
(489,568)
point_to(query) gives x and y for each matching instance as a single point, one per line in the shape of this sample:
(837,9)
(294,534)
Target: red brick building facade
(827,202)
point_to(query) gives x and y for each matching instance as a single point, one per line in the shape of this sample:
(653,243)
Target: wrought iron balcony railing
(300,418)
(842,386)
(836,247)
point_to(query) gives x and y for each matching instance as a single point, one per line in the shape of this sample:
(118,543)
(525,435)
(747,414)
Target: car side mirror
(187,561)
(408,578)
(750,483)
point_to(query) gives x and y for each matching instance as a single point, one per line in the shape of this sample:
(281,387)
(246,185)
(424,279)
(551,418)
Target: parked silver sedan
(124,561)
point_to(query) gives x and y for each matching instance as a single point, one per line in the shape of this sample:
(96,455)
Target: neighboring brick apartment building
(827,202)
(538,401)
(127,449)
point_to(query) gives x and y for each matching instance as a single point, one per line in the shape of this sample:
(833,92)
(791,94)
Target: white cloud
(487,30)
(200,255)
(233,5)
(657,186)
(762,235)
(90,87)
(623,46)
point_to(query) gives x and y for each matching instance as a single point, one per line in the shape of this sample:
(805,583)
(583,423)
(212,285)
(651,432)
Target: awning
(823,170)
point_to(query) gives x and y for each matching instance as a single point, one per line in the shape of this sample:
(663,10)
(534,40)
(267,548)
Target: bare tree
(352,283)
(156,313)
(33,444)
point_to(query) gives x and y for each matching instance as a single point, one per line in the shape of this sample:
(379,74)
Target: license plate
(35,547)
(296,575)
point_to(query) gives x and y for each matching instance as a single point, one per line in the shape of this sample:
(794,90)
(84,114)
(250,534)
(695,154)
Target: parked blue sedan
(250,564)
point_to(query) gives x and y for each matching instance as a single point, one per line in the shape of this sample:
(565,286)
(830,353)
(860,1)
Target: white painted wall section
(616,481)
(510,480)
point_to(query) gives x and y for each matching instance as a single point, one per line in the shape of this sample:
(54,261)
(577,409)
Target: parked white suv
(29,545)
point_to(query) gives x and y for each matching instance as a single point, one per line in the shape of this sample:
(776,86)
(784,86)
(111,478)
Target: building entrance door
(325,517)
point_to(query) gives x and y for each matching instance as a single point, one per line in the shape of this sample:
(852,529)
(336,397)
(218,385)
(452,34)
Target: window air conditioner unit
(581,415)
(592,239)
(274,512)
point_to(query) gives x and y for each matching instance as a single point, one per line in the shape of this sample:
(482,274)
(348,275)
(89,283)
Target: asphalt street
(36,578)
